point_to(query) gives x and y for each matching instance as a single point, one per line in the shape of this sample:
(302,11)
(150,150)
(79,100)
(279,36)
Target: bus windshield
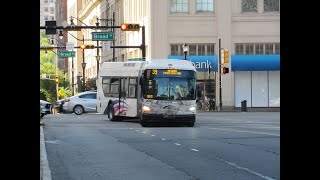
(170,88)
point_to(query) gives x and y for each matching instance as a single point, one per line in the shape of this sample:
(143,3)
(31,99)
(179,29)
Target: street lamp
(60,34)
(98,63)
(83,61)
(83,76)
(185,48)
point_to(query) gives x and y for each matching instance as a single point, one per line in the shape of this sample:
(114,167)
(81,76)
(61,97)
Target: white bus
(159,90)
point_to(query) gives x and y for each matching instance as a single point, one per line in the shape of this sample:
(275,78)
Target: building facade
(47,11)
(249,29)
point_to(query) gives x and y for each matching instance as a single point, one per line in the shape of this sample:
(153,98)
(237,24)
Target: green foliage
(91,84)
(64,93)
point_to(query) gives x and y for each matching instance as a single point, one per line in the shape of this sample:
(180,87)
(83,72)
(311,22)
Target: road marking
(246,169)
(152,135)
(45,173)
(246,131)
(52,142)
(144,132)
(194,149)
(137,130)
(163,139)
(177,144)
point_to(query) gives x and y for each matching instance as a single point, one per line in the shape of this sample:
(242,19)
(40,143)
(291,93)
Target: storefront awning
(255,62)
(238,62)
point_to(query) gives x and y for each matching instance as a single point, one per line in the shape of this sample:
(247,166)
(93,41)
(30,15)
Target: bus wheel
(110,113)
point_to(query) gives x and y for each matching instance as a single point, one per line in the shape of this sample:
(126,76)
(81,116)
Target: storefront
(256,78)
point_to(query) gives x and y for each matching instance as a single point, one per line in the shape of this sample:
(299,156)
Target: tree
(91,84)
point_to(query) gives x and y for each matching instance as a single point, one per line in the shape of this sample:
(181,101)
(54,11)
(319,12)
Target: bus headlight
(146,109)
(192,108)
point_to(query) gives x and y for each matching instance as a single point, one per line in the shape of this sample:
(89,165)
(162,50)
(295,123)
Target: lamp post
(83,61)
(185,48)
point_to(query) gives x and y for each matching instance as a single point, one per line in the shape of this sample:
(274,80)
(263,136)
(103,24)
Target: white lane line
(144,132)
(194,149)
(177,144)
(152,135)
(163,139)
(246,169)
(137,130)
(130,128)
(46,173)
(254,132)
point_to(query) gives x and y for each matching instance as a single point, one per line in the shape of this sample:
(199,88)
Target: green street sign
(102,36)
(64,54)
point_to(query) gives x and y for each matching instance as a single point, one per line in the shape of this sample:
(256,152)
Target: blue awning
(255,62)
(238,62)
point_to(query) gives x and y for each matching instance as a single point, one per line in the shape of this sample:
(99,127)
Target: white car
(46,108)
(81,103)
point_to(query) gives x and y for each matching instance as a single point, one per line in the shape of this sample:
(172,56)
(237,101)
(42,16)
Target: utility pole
(220,88)
(113,50)
(83,68)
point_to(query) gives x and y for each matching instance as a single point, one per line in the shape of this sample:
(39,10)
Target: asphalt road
(221,145)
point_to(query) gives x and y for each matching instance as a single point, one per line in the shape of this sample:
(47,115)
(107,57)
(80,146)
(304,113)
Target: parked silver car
(81,103)
(46,107)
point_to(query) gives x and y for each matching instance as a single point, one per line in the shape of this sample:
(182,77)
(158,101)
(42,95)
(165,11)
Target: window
(179,6)
(249,5)
(201,49)
(192,49)
(46,9)
(132,87)
(239,48)
(271,5)
(277,48)
(259,48)
(106,85)
(269,48)
(204,5)
(210,49)
(46,1)
(114,86)
(46,18)
(249,49)
(174,49)
(89,96)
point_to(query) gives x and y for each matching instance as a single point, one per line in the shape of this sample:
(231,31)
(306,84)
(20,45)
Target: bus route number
(154,71)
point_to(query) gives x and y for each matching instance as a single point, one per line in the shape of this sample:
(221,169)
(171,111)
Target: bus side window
(114,87)
(106,86)
(132,87)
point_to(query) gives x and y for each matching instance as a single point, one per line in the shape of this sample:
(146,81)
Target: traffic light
(130,27)
(225,70)
(222,56)
(57,80)
(226,56)
(86,46)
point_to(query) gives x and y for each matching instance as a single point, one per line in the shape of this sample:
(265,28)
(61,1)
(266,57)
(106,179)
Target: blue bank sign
(201,63)
(238,62)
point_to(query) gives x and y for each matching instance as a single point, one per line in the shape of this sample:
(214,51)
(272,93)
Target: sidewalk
(233,109)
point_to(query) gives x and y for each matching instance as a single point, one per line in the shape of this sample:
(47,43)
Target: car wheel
(111,114)
(78,110)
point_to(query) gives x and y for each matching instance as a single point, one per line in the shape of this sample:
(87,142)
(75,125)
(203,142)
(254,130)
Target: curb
(45,173)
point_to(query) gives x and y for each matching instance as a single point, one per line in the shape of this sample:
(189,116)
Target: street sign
(105,46)
(102,36)
(64,54)
(69,46)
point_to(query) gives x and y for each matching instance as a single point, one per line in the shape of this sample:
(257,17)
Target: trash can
(244,106)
